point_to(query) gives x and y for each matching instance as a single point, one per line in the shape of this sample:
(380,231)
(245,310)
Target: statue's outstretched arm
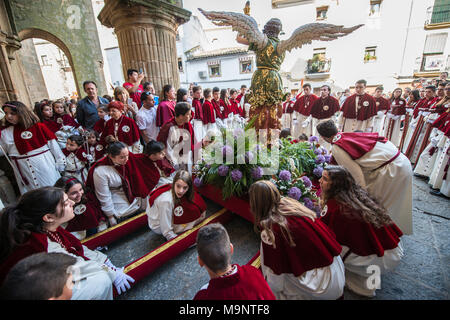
(314,31)
(246,26)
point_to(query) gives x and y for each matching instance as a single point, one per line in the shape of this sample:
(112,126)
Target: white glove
(411,111)
(434,142)
(430,120)
(122,281)
(380,114)
(420,113)
(413,125)
(425,113)
(389,115)
(395,117)
(112,221)
(305,123)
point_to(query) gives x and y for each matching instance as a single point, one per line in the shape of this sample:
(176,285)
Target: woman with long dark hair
(363,228)
(27,228)
(299,254)
(89,218)
(176,207)
(414,97)
(31,148)
(395,117)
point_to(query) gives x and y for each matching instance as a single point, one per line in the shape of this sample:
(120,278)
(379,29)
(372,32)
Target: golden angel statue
(266,88)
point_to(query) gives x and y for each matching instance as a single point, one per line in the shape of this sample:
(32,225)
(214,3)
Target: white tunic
(325,283)
(93,280)
(426,162)
(304,125)
(160,217)
(437,174)
(40,170)
(390,184)
(75,167)
(109,191)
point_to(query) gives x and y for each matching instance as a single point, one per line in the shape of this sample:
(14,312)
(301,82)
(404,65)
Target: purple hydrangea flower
(327,158)
(227,150)
(307,182)
(198,182)
(318,151)
(222,170)
(320,159)
(257,172)
(308,203)
(318,171)
(236,175)
(295,193)
(249,156)
(313,139)
(285,175)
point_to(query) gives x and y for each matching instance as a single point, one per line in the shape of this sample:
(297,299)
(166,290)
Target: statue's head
(272,28)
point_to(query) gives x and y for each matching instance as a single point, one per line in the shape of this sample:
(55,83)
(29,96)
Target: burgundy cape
(208,112)
(36,243)
(198,109)
(220,111)
(234,106)
(192,210)
(164,112)
(247,283)
(127,133)
(382,104)
(97,151)
(367,107)
(139,175)
(304,104)
(80,153)
(325,108)
(315,247)
(226,108)
(40,135)
(424,104)
(99,126)
(361,237)
(52,125)
(398,106)
(89,215)
(163,134)
(288,107)
(66,120)
(357,144)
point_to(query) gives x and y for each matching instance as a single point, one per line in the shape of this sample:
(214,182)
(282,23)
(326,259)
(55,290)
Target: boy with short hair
(41,276)
(228,281)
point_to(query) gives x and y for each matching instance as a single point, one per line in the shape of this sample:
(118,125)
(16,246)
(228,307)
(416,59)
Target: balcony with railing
(438,17)
(318,68)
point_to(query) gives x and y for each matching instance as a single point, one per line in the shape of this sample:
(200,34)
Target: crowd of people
(93,163)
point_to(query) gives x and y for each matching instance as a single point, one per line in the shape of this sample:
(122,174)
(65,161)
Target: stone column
(146,31)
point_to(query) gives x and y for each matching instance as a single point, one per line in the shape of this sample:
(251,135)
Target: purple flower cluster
(257,173)
(327,158)
(249,156)
(313,139)
(320,159)
(236,175)
(285,175)
(198,182)
(308,203)
(222,170)
(307,182)
(318,171)
(318,151)
(227,150)
(295,193)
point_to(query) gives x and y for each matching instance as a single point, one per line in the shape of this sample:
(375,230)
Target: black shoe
(436,192)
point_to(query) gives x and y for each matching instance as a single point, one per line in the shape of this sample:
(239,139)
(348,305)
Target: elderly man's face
(90,89)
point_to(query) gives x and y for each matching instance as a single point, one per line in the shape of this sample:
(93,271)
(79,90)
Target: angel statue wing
(314,31)
(245,25)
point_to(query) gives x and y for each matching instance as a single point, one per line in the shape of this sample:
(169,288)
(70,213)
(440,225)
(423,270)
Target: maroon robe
(163,134)
(88,215)
(32,138)
(382,104)
(97,151)
(139,175)
(304,104)
(128,131)
(52,125)
(424,104)
(226,108)
(360,237)
(357,144)
(99,126)
(315,247)
(66,120)
(208,112)
(198,110)
(234,106)
(164,112)
(324,108)
(288,107)
(398,106)
(191,210)
(367,107)
(220,111)
(36,243)
(247,283)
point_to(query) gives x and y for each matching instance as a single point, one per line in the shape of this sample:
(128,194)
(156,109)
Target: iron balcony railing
(438,14)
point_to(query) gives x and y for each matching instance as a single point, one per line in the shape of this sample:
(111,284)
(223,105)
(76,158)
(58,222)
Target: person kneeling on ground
(175,208)
(228,281)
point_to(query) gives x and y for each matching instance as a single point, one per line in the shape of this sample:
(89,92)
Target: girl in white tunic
(77,159)
(29,229)
(175,208)
(31,148)
(299,254)
(370,240)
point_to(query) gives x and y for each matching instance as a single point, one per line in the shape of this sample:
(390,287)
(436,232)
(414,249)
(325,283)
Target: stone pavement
(423,273)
